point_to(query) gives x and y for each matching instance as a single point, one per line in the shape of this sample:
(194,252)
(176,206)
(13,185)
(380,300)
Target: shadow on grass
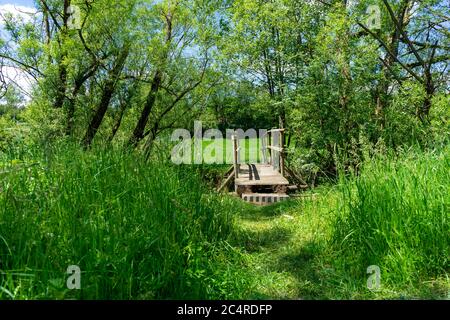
(267,231)
(257,240)
(302,266)
(257,213)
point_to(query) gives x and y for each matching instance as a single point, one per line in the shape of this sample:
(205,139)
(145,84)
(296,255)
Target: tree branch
(23,64)
(55,21)
(404,35)
(374,35)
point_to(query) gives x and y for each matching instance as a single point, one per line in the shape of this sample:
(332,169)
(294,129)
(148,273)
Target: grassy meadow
(221,151)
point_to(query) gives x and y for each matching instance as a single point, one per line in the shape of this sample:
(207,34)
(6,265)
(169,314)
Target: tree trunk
(138,133)
(62,68)
(108,92)
(79,81)
(123,107)
(118,122)
(429,89)
(388,63)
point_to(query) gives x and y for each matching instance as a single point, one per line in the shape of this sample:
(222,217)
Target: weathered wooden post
(269,142)
(282,152)
(265,160)
(234,138)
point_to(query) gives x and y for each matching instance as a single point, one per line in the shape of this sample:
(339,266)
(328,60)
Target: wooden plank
(264,198)
(227,181)
(276,130)
(260,175)
(275,148)
(266,181)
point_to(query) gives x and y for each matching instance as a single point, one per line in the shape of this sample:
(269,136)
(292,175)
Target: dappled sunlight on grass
(283,242)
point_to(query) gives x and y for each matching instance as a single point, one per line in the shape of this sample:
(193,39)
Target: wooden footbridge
(264,182)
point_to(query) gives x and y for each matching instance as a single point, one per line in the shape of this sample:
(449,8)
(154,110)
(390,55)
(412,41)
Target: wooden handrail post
(234,138)
(269,142)
(282,153)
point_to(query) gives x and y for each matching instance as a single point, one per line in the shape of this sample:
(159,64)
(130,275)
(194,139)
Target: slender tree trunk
(268,72)
(62,68)
(79,81)
(123,107)
(46,26)
(150,142)
(429,90)
(138,133)
(118,122)
(388,63)
(108,92)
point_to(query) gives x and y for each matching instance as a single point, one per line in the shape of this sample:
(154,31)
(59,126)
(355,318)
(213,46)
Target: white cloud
(11,74)
(26,13)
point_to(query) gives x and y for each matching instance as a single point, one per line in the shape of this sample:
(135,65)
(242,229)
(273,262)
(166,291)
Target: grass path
(282,244)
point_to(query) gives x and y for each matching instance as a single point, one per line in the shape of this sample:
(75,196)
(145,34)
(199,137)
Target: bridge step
(264,198)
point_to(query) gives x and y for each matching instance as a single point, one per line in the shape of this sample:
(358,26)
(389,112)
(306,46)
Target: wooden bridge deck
(261,183)
(260,175)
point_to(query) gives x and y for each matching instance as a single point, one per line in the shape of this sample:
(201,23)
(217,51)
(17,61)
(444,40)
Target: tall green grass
(137,230)
(396,215)
(152,230)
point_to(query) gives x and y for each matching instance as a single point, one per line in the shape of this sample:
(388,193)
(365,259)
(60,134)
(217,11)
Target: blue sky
(27,3)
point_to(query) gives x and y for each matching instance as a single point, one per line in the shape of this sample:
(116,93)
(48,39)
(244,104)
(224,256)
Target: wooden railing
(236,157)
(273,149)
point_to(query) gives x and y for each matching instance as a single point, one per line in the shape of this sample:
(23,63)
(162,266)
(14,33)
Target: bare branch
(55,21)
(23,64)
(378,38)
(404,35)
